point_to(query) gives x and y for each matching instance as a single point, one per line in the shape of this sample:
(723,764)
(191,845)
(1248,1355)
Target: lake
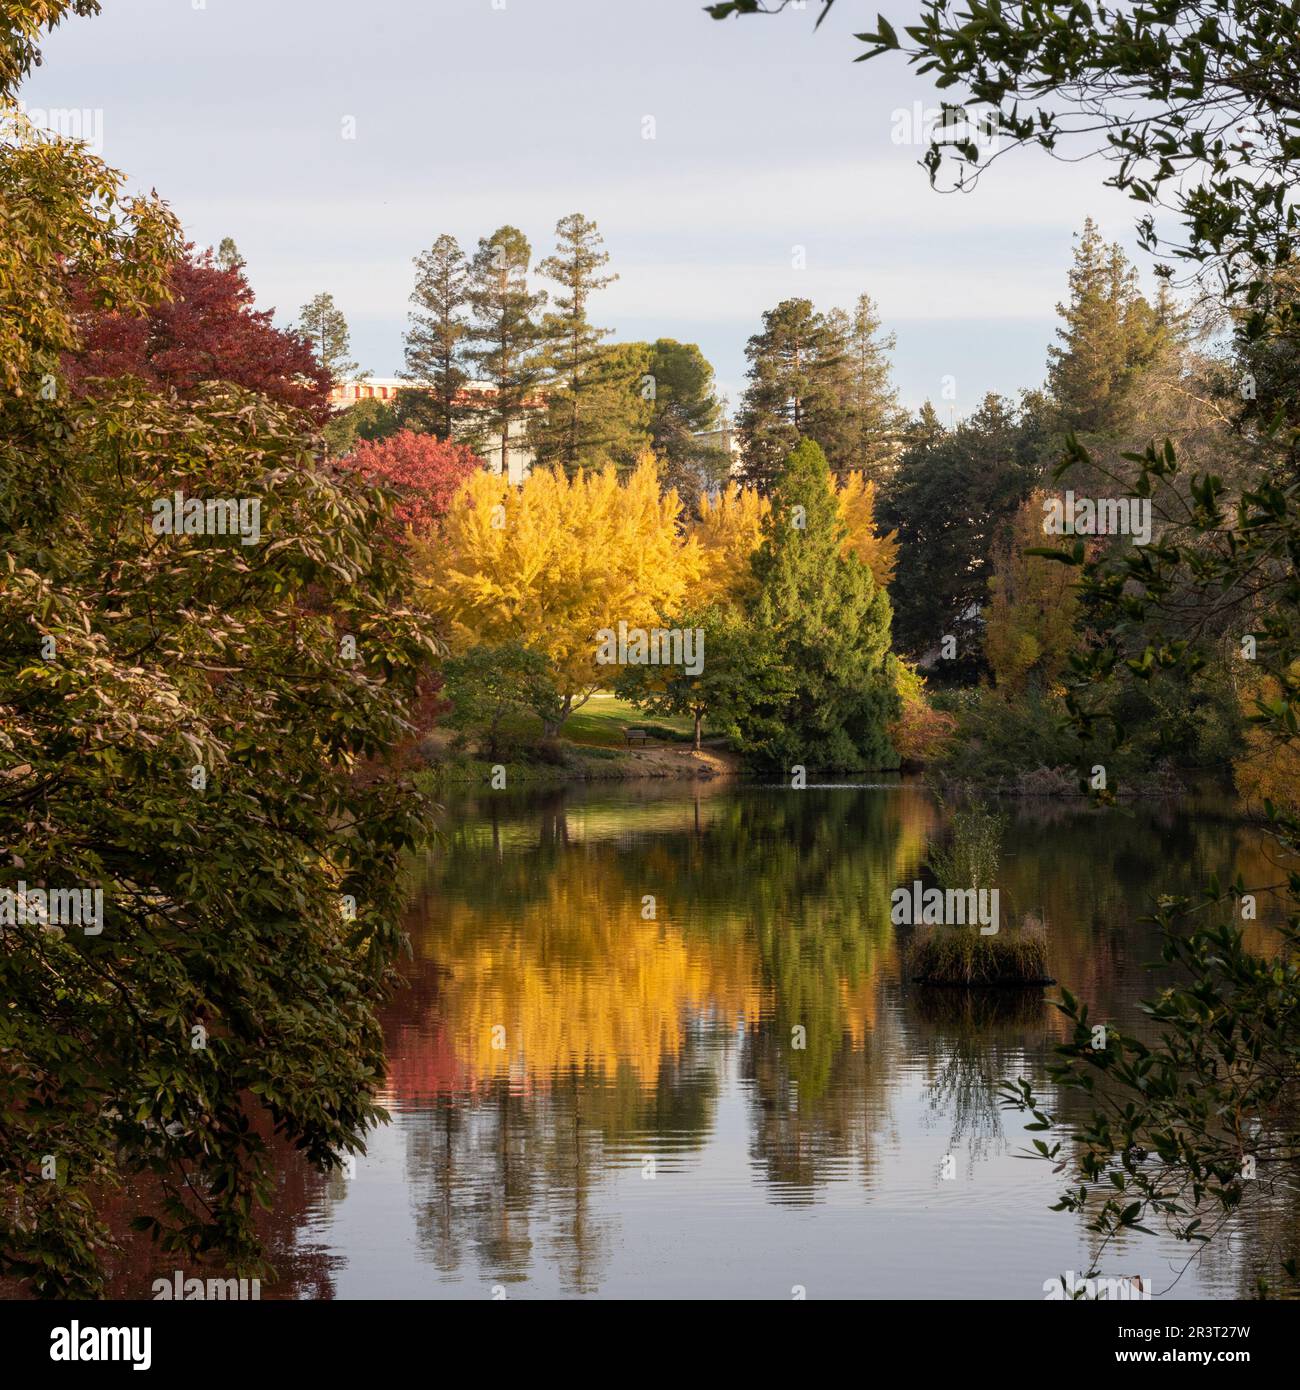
(660,1040)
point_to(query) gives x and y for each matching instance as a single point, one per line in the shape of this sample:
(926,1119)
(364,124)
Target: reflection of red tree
(422,1064)
(303,1271)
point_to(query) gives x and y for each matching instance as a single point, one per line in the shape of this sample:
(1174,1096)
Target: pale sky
(472,113)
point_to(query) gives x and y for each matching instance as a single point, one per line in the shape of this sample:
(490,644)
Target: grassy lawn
(602,720)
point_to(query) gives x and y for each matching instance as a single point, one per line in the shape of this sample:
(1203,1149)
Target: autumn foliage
(1032,619)
(549,563)
(424,471)
(208,330)
(730,528)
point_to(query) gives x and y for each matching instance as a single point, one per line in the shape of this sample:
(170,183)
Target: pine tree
(618,396)
(228,257)
(570,431)
(795,388)
(437,331)
(876,422)
(1110,334)
(828,624)
(924,429)
(324,327)
(504,333)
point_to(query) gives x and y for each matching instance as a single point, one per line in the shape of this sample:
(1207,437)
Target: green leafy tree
(723,688)
(322,323)
(436,337)
(685,405)
(367,419)
(179,718)
(489,687)
(829,629)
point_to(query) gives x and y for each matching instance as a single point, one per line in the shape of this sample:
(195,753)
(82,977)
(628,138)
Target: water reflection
(661,1041)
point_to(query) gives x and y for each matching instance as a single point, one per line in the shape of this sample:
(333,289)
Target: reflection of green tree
(809,878)
(802,1140)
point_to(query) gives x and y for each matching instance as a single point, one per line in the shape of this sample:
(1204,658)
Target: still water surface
(596,1095)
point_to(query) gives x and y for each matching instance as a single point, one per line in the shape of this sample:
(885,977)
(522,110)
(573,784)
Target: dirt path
(674,760)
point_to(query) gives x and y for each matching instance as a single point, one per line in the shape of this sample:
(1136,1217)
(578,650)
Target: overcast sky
(471,113)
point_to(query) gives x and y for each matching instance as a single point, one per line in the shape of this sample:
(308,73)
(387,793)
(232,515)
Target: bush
(922,732)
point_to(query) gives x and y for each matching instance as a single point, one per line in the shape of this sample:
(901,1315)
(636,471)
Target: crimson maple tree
(207,331)
(423,470)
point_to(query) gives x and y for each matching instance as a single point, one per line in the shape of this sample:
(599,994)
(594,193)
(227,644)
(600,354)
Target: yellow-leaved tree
(856,497)
(551,563)
(728,531)
(1268,768)
(1030,626)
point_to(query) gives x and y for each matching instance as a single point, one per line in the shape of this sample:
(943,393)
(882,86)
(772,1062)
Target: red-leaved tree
(423,470)
(208,331)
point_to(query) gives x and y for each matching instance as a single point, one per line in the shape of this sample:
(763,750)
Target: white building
(519,457)
(726,438)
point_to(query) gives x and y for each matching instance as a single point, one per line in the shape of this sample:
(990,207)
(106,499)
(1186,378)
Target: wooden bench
(635,736)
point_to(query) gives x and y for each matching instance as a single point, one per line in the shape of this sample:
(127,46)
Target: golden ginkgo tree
(551,563)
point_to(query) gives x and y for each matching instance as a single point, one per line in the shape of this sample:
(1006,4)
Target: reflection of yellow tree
(749,923)
(581,982)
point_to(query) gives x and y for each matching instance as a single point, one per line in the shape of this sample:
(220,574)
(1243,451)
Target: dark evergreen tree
(435,339)
(1110,335)
(826,628)
(877,424)
(955,492)
(796,388)
(504,332)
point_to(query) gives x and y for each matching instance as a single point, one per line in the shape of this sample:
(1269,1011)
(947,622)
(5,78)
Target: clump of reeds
(962,955)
